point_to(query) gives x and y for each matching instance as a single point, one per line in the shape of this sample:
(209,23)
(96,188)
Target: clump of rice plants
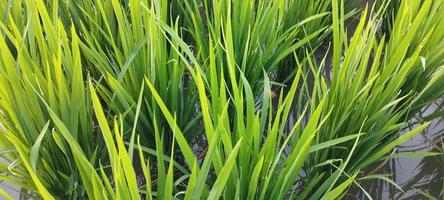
(378,85)
(158,99)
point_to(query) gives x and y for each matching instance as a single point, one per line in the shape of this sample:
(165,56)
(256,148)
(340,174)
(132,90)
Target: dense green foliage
(211,99)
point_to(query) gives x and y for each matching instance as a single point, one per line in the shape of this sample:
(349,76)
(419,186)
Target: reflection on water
(420,178)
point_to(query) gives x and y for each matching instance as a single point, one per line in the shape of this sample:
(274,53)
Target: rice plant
(379,85)
(387,90)
(135,48)
(160,99)
(42,74)
(263,35)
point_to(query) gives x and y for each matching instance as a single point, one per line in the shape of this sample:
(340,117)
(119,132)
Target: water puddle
(420,178)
